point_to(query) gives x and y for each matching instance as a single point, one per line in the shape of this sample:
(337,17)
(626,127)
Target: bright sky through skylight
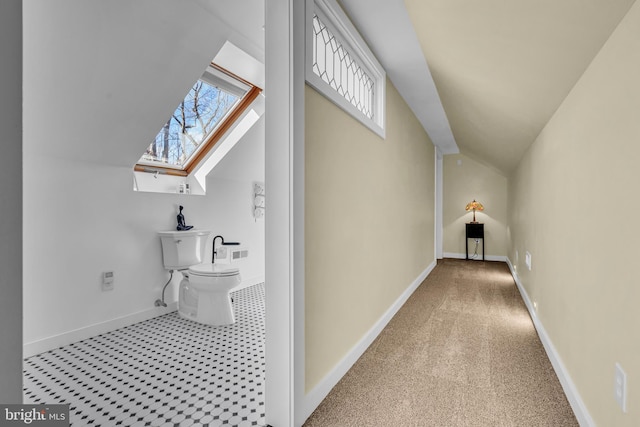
(191,123)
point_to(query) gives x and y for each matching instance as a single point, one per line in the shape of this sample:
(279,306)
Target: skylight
(192,129)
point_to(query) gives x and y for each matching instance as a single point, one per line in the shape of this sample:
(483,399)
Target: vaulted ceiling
(503,67)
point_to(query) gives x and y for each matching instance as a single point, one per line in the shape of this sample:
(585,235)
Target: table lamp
(474,206)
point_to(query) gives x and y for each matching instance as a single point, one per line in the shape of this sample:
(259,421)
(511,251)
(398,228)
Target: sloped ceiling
(245,19)
(121,68)
(389,34)
(503,67)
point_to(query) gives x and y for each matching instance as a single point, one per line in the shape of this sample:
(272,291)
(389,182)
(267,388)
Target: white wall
(284,170)
(11,202)
(230,195)
(100,80)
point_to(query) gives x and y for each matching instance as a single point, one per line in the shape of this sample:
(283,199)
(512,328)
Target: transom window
(333,64)
(340,65)
(214,102)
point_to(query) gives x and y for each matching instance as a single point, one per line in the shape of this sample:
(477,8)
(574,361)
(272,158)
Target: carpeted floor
(461,352)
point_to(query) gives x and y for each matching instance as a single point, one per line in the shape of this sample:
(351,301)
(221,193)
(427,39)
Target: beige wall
(464,179)
(369,223)
(572,204)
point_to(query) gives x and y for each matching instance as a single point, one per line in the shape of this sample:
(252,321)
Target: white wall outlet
(517,257)
(527,260)
(258,201)
(107,281)
(620,387)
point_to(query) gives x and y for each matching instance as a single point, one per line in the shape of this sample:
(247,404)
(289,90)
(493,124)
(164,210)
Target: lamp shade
(474,206)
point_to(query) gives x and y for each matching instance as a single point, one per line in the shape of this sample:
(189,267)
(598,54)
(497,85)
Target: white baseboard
(570,390)
(50,343)
(500,258)
(316,396)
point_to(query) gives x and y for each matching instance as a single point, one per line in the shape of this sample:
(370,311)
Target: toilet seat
(208,269)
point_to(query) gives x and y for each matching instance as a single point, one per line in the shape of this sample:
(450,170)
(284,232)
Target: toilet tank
(182,249)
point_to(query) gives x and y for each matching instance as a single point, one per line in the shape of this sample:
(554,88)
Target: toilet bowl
(205,293)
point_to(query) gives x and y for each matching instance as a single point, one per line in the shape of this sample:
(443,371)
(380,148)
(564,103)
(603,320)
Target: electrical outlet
(620,387)
(107,281)
(517,257)
(527,260)
(258,189)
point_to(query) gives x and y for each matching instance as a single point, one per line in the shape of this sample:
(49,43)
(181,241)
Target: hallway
(461,352)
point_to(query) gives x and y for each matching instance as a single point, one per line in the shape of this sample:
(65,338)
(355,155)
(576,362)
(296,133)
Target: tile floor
(166,371)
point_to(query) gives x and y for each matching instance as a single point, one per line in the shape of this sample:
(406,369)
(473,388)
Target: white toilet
(204,294)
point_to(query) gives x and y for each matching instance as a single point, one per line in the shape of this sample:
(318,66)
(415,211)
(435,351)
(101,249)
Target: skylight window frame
(216,134)
(333,17)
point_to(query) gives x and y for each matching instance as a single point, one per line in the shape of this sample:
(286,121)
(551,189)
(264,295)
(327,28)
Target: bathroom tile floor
(167,371)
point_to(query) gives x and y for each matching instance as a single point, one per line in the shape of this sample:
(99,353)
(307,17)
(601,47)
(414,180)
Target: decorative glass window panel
(333,64)
(340,65)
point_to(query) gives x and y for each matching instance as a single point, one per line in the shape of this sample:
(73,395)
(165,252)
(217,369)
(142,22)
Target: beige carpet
(461,352)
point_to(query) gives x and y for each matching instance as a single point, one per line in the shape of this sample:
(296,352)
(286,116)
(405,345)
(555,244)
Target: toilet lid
(213,270)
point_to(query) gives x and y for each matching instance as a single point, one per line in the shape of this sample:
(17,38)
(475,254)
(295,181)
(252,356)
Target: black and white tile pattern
(166,371)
